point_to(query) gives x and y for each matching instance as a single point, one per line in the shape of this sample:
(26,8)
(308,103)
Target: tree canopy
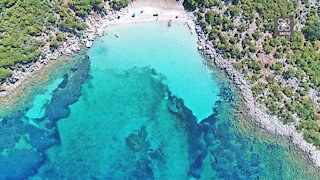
(284,72)
(118,4)
(24,23)
(312,30)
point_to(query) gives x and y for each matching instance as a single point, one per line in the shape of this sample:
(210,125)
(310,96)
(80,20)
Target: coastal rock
(71,45)
(256,111)
(12,80)
(91,37)
(88,44)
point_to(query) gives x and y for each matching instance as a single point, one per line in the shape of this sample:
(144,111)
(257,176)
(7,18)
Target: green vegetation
(25,24)
(67,22)
(118,4)
(311,132)
(190,4)
(4,73)
(312,30)
(284,71)
(21,21)
(82,8)
(54,44)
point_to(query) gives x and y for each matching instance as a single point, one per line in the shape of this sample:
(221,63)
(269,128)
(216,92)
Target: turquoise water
(177,60)
(141,106)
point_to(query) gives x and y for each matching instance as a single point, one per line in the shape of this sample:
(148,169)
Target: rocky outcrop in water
(67,93)
(256,111)
(137,142)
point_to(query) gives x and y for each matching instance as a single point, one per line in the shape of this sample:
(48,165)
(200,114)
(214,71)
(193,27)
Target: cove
(141,106)
(169,51)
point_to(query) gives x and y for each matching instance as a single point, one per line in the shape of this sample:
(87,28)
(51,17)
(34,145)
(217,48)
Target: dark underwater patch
(213,138)
(11,129)
(137,142)
(19,164)
(42,139)
(63,97)
(64,82)
(22,163)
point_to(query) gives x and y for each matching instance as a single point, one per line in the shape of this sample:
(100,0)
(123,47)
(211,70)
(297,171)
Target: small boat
(169,23)
(116,35)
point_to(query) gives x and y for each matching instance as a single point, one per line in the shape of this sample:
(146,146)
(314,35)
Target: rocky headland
(255,111)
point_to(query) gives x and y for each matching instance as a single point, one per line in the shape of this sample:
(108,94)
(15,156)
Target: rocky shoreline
(257,112)
(68,48)
(73,45)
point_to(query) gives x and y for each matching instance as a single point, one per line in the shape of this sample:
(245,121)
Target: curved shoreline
(256,111)
(31,83)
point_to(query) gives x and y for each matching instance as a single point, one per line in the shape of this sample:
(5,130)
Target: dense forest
(284,71)
(25,24)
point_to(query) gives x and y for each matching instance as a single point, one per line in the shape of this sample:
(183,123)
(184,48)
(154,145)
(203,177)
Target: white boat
(117,35)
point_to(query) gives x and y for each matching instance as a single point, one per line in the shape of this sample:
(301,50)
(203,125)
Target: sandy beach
(152,11)
(144,10)
(149,11)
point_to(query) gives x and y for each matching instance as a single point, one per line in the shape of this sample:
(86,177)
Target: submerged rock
(20,164)
(173,105)
(137,142)
(23,160)
(67,93)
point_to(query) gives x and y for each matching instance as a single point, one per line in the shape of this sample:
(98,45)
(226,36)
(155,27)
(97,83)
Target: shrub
(52,19)
(312,30)
(82,8)
(4,73)
(210,17)
(118,4)
(267,48)
(290,73)
(54,44)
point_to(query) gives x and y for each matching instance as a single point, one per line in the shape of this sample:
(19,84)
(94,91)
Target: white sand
(166,10)
(144,12)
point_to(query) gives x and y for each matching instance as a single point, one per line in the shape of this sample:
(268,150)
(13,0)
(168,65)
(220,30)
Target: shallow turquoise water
(142,106)
(169,51)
